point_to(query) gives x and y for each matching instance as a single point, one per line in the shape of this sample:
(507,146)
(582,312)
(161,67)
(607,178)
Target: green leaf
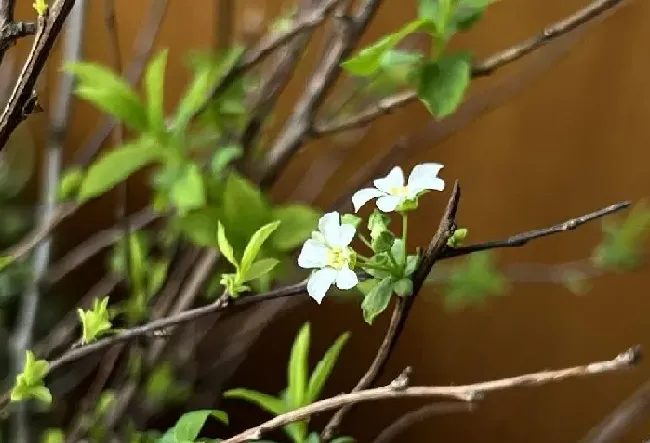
(224,246)
(223,157)
(383,242)
(377,223)
(199,225)
(115,166)
(351,219)
(110,93)
(403,287)
(188,427)
(343,439)
(29,383)
(155,87)
(457,238)
(255,244)
(297,223)
(42,394)
(5,261)
(53,435)
(96,321)
(471,282)
(156,275)
(443,83)
(260,268)
(368,61)
(377,300)
(412,262)
(220,415)
(267,402)
(324,368)
(398,249)
(434,12)
(298,368)
(188,191)
(244,210)
(70,183)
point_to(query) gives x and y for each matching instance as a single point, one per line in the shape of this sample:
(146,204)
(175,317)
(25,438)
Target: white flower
(391,192)
(328,251)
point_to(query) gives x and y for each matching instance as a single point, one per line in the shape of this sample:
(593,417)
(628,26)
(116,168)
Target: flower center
(399,191)
(337,258)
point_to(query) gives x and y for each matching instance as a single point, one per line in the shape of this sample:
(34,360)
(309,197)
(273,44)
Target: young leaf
(53,435)
(474,280)
(443,83)
(70,183)
(188,191)
(377,300)
(255,244)
(223,157)
(154,83)
(298,368)
(188,427)
(115,166)
(96,321)
(260,268)
(244,209)
(324,368)
(351,219)
(368,61)
(29,383)
(224,246)
(109,93)
(267,402)
(297,223)
(403,287)
(199,225)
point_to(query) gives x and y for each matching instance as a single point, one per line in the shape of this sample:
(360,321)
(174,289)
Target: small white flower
(328,251)
(391,191)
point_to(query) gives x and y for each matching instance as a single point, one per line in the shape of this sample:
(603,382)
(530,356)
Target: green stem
(405,227)
(365,241)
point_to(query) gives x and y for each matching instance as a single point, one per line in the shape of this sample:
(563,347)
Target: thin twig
(407,420)
(467,393)
(402,308)
(10,30)
(486,67)
(22,99)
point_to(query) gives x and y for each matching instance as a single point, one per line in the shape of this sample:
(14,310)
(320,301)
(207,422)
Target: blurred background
(558,134)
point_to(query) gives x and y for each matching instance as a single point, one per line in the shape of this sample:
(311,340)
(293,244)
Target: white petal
(329,225)
(425,177)
(346,279)
(389,203)
(319,282)
(312,255)
(394,179)
(363,196)
(346,235)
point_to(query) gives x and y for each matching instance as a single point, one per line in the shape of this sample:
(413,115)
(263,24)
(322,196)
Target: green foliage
(188,190)
(53,435)
(623,240)
(155,88)
(474,280)
(29,383)
(189,425)
(297,222)
(40,6)
(302,389)
(457,238)
(96,321)
(70,183)
(117,165)
(110,93)
(443,83)
(377,300)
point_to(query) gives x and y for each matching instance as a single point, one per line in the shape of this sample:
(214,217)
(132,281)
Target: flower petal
(394,179)
(425,177)
(312,255)
(363,196)
(329,225)
(346,234)
(346,279)
(319,282)
(389,203)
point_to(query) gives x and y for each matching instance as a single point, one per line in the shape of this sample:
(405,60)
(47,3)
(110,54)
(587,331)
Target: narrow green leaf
(110,93)
(115,166)
(267,402)
(443,83)
(223,157)
(377,300)
(255,244)
(324,368)
(224,246)
(70,183)
(188,427)
(260,268)
(297,223)
(220,415)
(154,84)
(298,368)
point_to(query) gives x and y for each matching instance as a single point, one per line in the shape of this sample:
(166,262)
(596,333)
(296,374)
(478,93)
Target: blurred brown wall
(574,141)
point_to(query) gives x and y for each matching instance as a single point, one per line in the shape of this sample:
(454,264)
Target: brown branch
(23,97)
(467,393)
(10,30)
(142,50)
(325,74)
(616,424)
(486,67)
(402,308)
(412,417)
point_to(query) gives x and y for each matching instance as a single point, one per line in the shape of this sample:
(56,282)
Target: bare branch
(482,69)
(467,393)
